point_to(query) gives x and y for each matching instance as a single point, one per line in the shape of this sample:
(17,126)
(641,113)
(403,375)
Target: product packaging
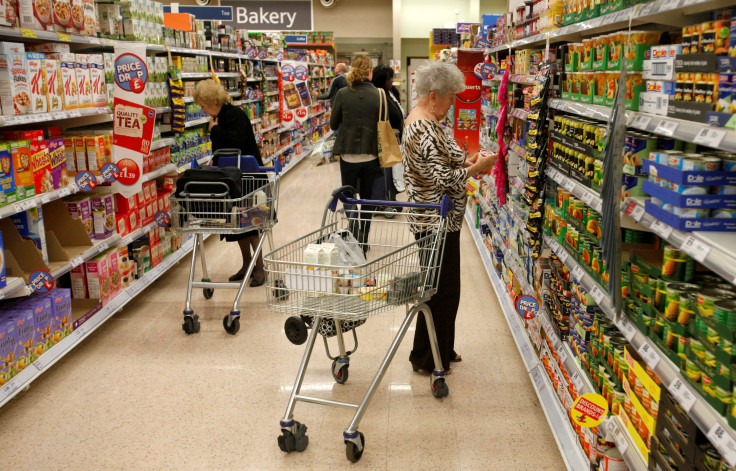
(15,95)
(84,88)
(21,154)
(54,86)
(7,177)
(36,14)
(37,82)
(103,215)
(29,224)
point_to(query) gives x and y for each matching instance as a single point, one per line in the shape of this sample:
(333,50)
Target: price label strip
(75,262)
(668,5)
(562,355)
(641,122)
(578,273)
(709,137)
(562,255)
(666,128)
(597,294)
(661,229)
(620,438)
(724,442)
(587,198)
(683,394)
(695,248)
(650,356)
(627,328)
(577,381)
(635,211)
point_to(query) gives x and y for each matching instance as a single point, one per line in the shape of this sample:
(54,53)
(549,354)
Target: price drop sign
(163,219)
(527,306)
(86,181)
(41,281)
(110,172)
(589,410)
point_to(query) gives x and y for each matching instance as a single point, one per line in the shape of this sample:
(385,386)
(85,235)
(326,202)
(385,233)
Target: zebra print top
(433,166)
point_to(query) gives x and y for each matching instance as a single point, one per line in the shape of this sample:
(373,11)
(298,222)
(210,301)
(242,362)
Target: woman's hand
(471,160)
(213,123)
(483,163)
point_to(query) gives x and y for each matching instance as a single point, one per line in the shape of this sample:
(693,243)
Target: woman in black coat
(230,128)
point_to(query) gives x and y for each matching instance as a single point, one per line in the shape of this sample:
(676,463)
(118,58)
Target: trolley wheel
(289,441)
(390,212)
(234,326)
(440,388)
(295,330)
(351,449)
(207,292)
(279,291)
(341,377)
(191,324)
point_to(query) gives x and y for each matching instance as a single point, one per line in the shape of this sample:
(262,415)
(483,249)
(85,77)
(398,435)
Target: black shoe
(256,283)
(239,276)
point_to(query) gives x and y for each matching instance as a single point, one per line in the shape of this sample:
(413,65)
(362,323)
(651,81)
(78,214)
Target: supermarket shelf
(295,161)
(671,127)
(491,111)
(196,75)
(281,151)
(196,122)
(263,131)
(235,94)
(55,116)
(254,100)
(271,93)
(525,79)
(559,423)
(664,11)
(272,78)
(272,108)
(49,358)
(188,99)
(517,183)
(316,114)
(629,451)
(12,286)
(588,196)
(164,142)
(704,416)
(255,120)
(715,250)
(519,113)
(228,75)
(253,79)
(162,109)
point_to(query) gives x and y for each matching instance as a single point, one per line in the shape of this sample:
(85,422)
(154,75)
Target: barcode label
(578,273)
(659,68)
(640,122)
(627,328)
(683,394)
(664,127)
(661,229)
(562,255)
(724,442)
(648,354)
(695,248)
(597,294)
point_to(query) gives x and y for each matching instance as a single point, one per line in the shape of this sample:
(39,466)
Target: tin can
(710,358)
(729,164)
(692,371)
(660,295)
(705,278)
(681,346)
(688,305)
(711,458)
(696,346)
(724,312)
(724,190)
(708,298)
(675,293)
(677,265)
(712,163)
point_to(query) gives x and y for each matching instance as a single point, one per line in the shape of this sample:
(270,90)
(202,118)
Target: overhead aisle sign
(265,15)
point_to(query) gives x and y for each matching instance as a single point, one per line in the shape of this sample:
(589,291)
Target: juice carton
(80,153)
(112,263)
(29,224)
(79,282)
(8,363)
(21,154)
(57,156)
(96,69)
(15,95)
(7,177)
(84,88)
(38,84)
(41,166)
(54,86)
(81,208)
(98,278)
(25,351)
(103,216)
(36,14)
(61,305)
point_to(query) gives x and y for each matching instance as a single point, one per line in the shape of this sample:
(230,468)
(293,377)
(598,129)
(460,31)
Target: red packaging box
(153,190)
(123,204)
(156,254)
(134,222)
(122,223)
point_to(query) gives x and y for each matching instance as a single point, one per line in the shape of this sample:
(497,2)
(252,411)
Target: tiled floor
(140,394)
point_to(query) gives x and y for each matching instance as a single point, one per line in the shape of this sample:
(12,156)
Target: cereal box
(97,79)
(90,19)
(54,87)
(98,278)
(36,14)
(61,305)
(62,15)
(9,13)
(77,23)
(21,154)
(7,177)
(12,48)
(123,204)
(96,153)
(41,166)
(71,157)
(25,351)
(29,224)
(80,153)
(37,76)
(49,48)
(69,81)
(122,223)
(84,88)
(135,222)
(103,216)
(2,263)
(14,92)
(112,262)
(57,156)
(8,363)
(43,323)
(79,282)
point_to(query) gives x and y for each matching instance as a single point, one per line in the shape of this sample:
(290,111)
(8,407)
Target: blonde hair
(211,93)
(361,66)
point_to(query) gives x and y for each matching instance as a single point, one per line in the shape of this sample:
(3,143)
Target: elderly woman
(230,128)
(434,165)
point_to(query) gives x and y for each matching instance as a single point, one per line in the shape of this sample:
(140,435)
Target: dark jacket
(338,82)
(234,131)
(355,115)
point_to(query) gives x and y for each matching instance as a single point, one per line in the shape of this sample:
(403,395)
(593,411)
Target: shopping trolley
(213,207)
(402,270)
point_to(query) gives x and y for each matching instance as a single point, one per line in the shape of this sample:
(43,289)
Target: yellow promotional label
(28,33)
(64,37)
(589,410)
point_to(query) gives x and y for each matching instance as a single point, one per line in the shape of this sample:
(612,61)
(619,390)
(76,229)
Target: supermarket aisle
(140,394)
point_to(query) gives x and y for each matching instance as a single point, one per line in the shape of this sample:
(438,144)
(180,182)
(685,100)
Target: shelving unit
(55,116)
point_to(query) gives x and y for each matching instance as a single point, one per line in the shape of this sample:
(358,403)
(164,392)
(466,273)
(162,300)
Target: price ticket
(661,229)
(666,128)
(682,393)
(695,248)
(597,294)
(710,137)
(578,273)
(724,442)
(650,356)
(627,328)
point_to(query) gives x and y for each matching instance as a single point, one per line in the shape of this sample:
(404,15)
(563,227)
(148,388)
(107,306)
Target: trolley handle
(276,168)
(339,194)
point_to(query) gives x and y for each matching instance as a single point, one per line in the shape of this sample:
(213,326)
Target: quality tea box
(15,95)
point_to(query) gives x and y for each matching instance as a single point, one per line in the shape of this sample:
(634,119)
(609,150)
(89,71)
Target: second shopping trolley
(324,278)
(235,199)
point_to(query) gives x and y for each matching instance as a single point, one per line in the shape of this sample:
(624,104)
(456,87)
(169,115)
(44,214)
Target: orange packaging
(24,184)
(41,167)
(96,156)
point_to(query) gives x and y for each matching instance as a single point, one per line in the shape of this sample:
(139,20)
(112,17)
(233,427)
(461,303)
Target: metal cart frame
(202,213)
(403,270)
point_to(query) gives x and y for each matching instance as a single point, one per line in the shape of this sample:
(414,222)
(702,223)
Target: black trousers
(361,176)
(444,306)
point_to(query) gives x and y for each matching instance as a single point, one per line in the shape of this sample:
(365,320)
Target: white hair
(439,77)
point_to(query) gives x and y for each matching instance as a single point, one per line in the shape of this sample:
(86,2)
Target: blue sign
(295,38)
(527,306)
(131,73)
(489,21)
(86,181)
(205,13)
(259,137)
(110,172)
(252,53)
(163,219)
(301,73)
(488,70)
(263,55)
(280,56)
(287,72)
(41,281)
(482,43)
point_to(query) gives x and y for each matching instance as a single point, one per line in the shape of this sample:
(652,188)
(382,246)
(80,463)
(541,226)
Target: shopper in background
(434,166)
(230,128)
(384,189)
(355,116)
(336,84)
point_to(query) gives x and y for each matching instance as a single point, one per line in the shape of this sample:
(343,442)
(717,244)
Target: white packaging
(69,81)
(54,87)
(15,95)
(62,15)
(36,70)
(84,88)
(12,48)
(311,255)
(36,14)
(90,20)
(77,23)
(96,69)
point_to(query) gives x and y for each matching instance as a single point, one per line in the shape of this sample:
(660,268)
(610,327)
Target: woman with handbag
(355,114)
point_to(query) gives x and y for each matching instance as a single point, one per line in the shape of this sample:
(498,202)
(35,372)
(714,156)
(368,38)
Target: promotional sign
(205,13)
(527,306)
(267,15)
(294,94)
(163,219)
(110,172)
(465,27)
(41,281)
(467,103)
(86,181)
(589,410)
(133,122)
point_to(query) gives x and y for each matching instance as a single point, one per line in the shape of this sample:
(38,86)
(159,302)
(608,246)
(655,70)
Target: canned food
(707,299)
(723,395)
(711,163)
(675,293)
(677,265)
(705,278)
(724,312)
(724,213)
(660,295)
(688,305)
(729,164)
(712,459)
(696,346)
(710,358)
(708,386)
(681,346)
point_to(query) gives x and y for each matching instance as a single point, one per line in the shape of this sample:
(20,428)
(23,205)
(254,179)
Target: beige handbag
(389,153)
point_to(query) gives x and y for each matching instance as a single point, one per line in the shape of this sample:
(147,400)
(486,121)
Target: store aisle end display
(663,362)
(66,234)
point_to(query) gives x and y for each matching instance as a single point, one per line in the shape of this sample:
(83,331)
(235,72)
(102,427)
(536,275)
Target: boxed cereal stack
(14,92)
(36,70)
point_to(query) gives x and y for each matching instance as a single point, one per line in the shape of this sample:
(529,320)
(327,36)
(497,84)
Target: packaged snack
(25,351)
(112,261)
(21,154)
(90,19)
(98,279)
(15,95)
(79,282)
(57,156)
(77,23)
(41,166)
(84,88)
(80,152)
(29,224)
(12,48)
(103,216)
(68,80)
(8,363)
(36,14)
(7,177)
(61,306)
(96,153)
(37,81)
(43,323)
(54,85)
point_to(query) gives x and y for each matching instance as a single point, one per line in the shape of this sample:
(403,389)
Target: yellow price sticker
(64,37)
(589,410)
(28,33)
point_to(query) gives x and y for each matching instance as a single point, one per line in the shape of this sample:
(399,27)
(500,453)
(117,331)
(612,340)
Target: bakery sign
(270,15)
